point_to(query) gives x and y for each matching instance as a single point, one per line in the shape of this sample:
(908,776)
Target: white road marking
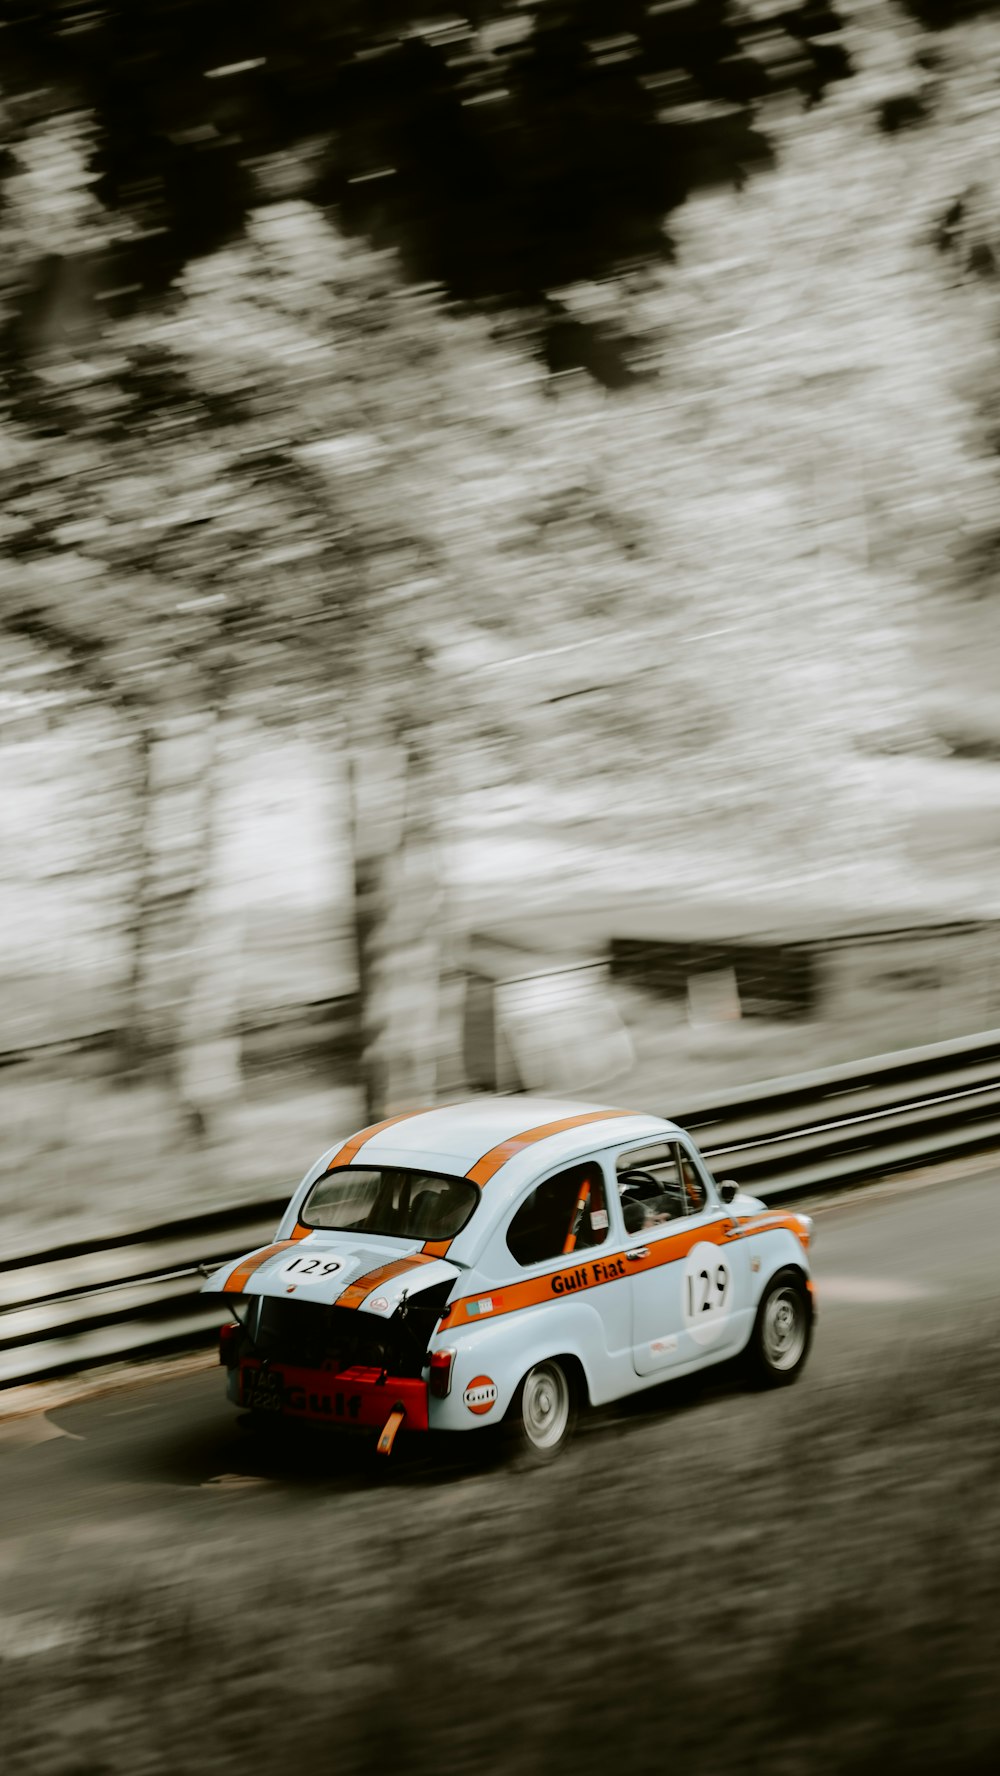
(33,1397)
(24,1433)
(231,1481)
(21,1637)
(868,1291)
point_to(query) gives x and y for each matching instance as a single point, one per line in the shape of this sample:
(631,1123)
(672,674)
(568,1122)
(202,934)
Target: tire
(542,1414)
(782,1332)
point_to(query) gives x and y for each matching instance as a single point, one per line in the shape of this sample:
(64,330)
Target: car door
(689,1273)
(558,1246)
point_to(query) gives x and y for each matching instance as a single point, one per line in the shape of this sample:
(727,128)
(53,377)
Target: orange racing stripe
(239,1277)
(346,1153)
(363,1286)
(772,1220)
(485,1168)
(595,1272)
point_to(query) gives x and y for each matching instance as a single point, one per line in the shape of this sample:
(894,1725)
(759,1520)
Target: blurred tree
(505,150)
(135,609)
(247,467)
(238,546)
(203,574)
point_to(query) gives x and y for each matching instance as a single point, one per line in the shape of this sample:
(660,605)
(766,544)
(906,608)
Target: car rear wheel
(542,1413)
(779,1343)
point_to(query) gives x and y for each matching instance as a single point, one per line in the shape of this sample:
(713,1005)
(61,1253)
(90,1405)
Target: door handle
(636,1253)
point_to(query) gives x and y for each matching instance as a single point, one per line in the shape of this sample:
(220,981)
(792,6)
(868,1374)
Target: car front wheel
(542,1413)
(779,1343)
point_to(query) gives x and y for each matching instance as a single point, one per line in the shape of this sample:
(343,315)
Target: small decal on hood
(380,1305)
(481,1394)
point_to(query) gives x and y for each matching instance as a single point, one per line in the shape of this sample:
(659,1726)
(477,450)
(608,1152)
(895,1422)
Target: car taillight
(442,1362)
(228,1340)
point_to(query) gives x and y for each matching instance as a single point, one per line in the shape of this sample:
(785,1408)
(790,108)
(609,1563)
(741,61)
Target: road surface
(120,1486)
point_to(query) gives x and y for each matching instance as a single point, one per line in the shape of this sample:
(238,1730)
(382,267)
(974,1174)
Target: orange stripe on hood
(237,1279)
(345,1154)
(363,1286)
(771,1220)
(485,1168)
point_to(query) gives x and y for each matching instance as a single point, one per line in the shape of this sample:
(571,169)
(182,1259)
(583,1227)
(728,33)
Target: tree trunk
(209,1076)
(176,776)
(132,1057)
(397,921)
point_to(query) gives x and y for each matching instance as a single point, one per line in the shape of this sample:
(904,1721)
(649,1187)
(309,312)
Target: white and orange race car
(509,1260)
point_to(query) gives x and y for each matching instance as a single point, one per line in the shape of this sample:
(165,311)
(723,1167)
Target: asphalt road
(106,1490)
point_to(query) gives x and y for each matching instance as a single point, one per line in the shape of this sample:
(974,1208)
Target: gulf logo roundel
(481,1394)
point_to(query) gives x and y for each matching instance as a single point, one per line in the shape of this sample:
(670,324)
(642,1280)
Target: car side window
(565,1213)
(650,1187)
(658,1184)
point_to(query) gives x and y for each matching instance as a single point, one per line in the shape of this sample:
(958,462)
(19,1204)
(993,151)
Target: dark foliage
(968,232)
(505,152)
(902,111)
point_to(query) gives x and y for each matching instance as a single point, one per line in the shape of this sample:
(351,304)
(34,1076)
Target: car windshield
(390,1200)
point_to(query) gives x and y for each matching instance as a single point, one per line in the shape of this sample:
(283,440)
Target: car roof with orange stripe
(466,1140)
(497,1143)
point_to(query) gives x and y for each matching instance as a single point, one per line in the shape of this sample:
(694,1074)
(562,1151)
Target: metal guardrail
(831,1129)
(73,1307)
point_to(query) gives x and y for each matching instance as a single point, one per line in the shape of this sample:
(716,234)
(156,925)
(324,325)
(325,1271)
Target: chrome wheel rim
(784,1328)
(545,1406)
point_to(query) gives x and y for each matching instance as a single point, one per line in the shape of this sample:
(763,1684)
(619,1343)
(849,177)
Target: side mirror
(728,1190)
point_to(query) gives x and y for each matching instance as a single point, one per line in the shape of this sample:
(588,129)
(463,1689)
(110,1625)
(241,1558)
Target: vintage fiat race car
(509,1260)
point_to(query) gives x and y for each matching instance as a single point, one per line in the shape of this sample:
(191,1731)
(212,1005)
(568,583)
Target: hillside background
(691,590)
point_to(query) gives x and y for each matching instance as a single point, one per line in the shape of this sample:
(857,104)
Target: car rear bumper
(356,1396)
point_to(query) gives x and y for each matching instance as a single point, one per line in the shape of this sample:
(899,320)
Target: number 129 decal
(304,1269)
(706,1292)
(707,1289)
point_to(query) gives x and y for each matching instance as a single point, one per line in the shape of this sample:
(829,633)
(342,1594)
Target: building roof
(509,948)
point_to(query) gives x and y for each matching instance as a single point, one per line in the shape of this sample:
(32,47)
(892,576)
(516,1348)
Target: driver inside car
(647,1201)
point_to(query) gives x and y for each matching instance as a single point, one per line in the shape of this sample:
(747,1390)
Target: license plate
(263,1389)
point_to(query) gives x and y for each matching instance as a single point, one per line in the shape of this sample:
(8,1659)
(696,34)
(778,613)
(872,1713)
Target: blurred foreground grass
(803,1582)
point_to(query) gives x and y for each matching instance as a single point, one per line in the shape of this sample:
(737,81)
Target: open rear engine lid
(334,1269)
